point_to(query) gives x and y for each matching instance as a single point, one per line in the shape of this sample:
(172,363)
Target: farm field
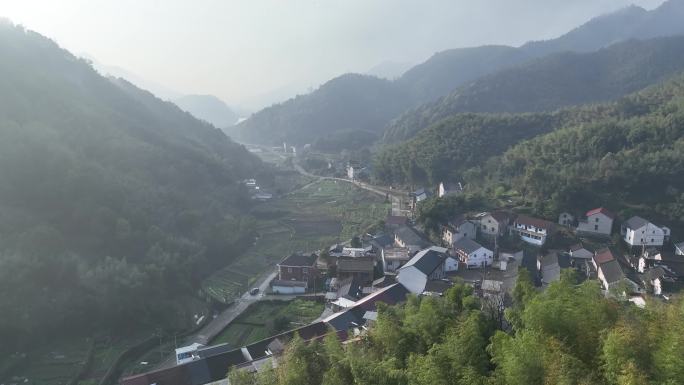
(266,318)
(311,218)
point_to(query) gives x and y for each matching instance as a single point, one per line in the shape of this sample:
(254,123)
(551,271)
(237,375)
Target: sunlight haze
(253,53)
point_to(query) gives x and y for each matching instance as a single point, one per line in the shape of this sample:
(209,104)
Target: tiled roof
(612,271)
(601,210)
(355,264)
(467,245)
(636,222)
(410,236)
(603,256)
(426,260)
(299,260)
(536,222)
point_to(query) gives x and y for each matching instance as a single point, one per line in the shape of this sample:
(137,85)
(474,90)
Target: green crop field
(309,219)
(257,322)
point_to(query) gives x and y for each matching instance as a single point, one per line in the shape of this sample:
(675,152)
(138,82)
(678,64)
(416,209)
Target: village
(632,259)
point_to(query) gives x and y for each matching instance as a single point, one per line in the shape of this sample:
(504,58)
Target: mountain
(552,82)
(113,202)
(389,70)
(208,108)
(157,89)
(629,159)
(445,71)
(347,103)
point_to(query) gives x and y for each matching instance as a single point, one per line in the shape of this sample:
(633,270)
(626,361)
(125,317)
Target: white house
(532,230)
(598,221)
(610,274)
(494,224)
(472,253)
(565,219)
(409,238)
(445,189)
(353,171)
(456,229)
(638,231)
(426,265)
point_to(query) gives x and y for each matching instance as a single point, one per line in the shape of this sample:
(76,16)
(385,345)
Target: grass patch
(258,323)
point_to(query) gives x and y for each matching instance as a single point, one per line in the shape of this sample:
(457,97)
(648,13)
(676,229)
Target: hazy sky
(241,50)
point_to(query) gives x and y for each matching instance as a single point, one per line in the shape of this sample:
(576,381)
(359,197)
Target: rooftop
(636,222)
(531,221)
(600,210)
(612,271)
(603,256)
(410,236)
(299,260)
(467,245)
(355,264)
(426,260)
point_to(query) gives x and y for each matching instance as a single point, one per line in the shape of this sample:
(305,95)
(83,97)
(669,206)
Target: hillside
(349,102)
(375,103)
(103,189)
(208,108)
(630,160)
(552,82)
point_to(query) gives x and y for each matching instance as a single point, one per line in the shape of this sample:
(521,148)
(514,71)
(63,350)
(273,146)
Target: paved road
(216,326)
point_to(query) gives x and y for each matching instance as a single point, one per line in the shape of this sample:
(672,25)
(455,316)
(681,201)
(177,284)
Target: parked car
(254,291)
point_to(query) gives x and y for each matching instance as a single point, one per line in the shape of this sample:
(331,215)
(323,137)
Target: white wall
(648,235)
(598,223)
(412,279)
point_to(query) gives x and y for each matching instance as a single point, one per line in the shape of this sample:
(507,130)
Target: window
(652,240)
(289,270)
(595,227)
(305,270)
(596,219)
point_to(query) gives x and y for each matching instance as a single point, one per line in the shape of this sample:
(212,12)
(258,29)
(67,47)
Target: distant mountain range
(553,81)
(305,118)
(208,108)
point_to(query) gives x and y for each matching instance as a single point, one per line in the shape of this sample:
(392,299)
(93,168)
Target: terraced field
(312,218)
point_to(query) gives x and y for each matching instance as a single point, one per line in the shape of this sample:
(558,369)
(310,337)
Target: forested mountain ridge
(346,103)
(103,189)
(626,155)
(630,160)
(306,118)
(553,82)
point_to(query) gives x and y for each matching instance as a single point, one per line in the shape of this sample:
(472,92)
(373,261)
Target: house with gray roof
(426,265)
(472,253)
(637,231)
(409,238)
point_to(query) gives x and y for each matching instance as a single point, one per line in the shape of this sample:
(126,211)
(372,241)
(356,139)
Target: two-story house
(598,221)
(637,231)
(296,273)
(409,238)
(456,229)
(494,224)
(472,253)
(532,230)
